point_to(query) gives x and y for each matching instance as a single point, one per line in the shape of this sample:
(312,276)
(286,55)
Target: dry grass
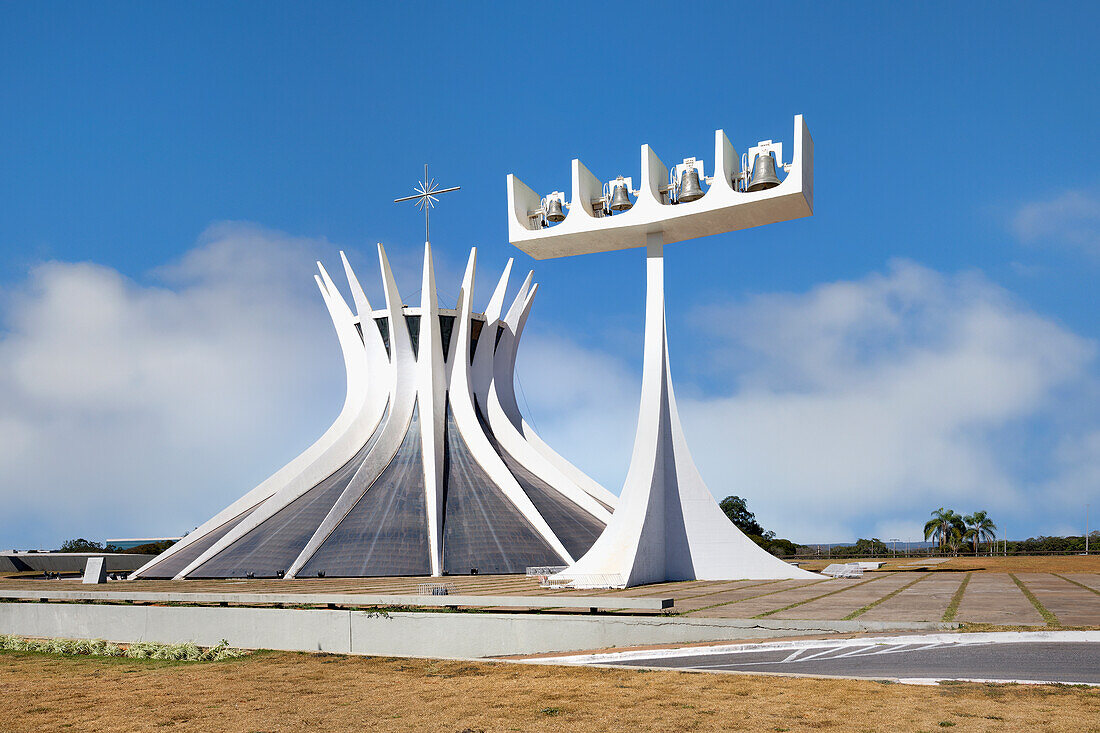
(1019,564)
(299,692)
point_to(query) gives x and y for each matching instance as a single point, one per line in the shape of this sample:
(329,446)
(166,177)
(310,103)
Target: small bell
(554,211)
(620,200)
(689,186)
(763,173)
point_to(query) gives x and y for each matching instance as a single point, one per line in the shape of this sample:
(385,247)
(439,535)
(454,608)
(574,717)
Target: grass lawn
(276,691)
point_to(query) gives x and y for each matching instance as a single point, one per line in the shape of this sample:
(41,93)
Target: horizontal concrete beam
(439,635)
(618,603)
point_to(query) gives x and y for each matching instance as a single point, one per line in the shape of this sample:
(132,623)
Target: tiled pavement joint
(749,598)
(716,592)
(952,609)
(726,590)
(1079,585)
(816,598)
(860,611)
(1049,617)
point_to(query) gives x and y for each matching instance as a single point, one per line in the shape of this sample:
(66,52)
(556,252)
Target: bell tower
(667,524)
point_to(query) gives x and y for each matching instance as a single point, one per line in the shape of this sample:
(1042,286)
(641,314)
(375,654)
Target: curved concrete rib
(431,388)
(510,437)
(481,371)
(379,369)
(502,406)
(354,425)
(393,431)
(462,406)
(384,387)
(504,367)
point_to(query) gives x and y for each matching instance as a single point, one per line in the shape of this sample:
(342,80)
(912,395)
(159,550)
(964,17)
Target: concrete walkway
(993,598)
(1067,599)
(927,600)
(1070,603)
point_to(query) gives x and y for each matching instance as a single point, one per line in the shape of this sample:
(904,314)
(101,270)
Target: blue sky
(156,159)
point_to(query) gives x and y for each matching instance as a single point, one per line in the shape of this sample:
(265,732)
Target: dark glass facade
(446,327)
(386,531)
(268,550)
(413,324)
(576,528)
(384,329)
(482,530)
(169,567)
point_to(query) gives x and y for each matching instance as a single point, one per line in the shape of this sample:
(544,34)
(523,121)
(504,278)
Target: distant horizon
(914,544)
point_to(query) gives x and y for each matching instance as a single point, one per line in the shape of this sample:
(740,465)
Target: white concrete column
(462,406)
(431,397)
(667,525)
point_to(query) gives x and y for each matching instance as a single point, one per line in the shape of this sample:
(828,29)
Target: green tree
(946,527)
(954,538)
(152,548)
(80,545)
(871,547)
(936,527)
(738,511)
(957,534)
(979,527)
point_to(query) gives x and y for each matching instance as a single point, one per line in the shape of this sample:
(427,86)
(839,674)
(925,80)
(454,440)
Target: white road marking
(822,656)
(854,653)
(920,641)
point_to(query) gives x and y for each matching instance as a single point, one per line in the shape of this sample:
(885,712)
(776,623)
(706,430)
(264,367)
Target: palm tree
(955,539)
(979,527)
(956,530)
(938,526)
(947,527)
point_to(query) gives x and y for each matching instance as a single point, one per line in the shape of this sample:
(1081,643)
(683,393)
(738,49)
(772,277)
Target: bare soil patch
(272,691)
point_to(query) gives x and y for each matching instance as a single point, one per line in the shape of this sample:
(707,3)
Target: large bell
(554,211)
(620,200)
(689,186)
(763,173)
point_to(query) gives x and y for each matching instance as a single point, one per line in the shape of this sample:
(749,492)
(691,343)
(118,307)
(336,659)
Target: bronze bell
(763,173)
(554,211)
(689,186)
(620,200)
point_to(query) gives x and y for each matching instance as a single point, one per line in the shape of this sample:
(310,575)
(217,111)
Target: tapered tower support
(668,525)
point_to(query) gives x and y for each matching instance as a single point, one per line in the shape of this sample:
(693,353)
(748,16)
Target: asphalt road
(1070,662)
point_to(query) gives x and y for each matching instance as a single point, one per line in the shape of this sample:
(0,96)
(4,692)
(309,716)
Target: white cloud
(1071,219)
(858,407)
(143,407)
(852,409)
(131,407)
(582,401)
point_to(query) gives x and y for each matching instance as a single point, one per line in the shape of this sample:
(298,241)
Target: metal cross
(425,197)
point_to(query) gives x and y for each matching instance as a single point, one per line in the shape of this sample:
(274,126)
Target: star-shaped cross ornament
(426,197)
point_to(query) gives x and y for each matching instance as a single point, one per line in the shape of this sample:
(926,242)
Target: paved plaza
(932,593)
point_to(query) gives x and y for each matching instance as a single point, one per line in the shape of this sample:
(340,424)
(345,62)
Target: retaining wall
(396,634)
